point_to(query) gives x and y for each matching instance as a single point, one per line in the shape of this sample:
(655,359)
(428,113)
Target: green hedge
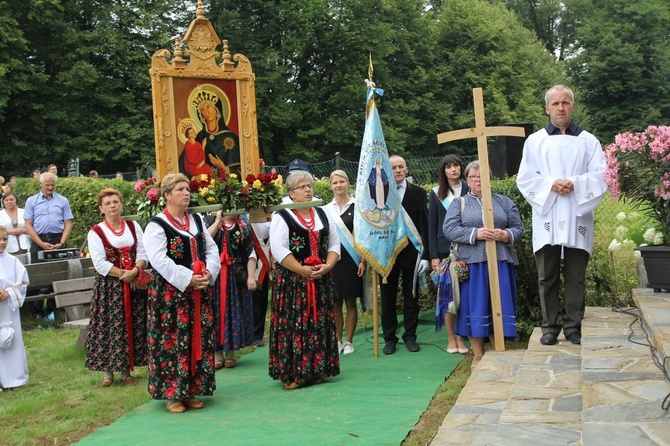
(82,192)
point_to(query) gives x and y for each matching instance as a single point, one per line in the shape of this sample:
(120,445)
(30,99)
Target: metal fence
(421,170)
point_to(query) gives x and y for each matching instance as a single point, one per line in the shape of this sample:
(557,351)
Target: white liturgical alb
(565,220)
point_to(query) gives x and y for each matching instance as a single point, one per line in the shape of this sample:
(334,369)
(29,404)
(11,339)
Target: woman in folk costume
(303,346)
(233,289)
(466,227)
(180,319)
(117,332)
(349,270)
(13,285)
(450,184)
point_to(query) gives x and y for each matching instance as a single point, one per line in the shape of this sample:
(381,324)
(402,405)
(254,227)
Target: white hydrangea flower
(650,235)
(628,243)
(614,246)
(621,216)
(620,232)
(637,254)
(658,239)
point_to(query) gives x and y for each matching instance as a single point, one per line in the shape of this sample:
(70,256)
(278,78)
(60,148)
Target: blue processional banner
(380,232)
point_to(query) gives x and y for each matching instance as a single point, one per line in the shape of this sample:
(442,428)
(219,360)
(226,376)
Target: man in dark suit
(408,263)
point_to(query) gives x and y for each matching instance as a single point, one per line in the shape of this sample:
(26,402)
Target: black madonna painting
(207,126)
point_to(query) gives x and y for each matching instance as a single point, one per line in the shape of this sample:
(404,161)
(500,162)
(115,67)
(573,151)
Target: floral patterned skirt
(238,322)
(107,346)
(302,346)
(170,325)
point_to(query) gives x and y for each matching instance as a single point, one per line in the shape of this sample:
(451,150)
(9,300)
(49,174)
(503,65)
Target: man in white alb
(561,176)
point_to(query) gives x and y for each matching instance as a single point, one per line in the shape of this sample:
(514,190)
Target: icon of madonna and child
(208,142)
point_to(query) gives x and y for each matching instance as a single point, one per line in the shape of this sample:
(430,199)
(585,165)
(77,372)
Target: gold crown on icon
(204,96)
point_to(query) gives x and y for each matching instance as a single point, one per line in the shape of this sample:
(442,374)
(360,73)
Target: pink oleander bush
(638,169)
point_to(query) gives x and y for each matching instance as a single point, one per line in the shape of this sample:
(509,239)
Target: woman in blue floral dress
(233,289)
(305,245)
(117,332)
(180,319)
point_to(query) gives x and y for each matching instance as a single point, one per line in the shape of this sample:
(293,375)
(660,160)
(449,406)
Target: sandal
(129,380)
(193,403)
(107,382)
(294,385)
(230,363)
(175,406)
(475,361)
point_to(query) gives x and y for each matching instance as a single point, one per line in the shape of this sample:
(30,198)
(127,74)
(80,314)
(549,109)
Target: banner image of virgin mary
(378,182)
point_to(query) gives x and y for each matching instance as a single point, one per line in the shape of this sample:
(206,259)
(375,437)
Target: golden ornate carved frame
(179,86)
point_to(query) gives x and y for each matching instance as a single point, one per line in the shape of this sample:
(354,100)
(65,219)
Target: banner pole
(375,310)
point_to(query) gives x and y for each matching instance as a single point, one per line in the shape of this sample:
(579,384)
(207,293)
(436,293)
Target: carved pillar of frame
(204,112)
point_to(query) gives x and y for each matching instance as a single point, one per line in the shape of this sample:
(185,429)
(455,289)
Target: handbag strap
(454,246)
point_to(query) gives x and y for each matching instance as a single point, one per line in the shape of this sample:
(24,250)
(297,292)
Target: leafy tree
(624,64)
(311,58)
(88,92)
(484,45)
(555,22)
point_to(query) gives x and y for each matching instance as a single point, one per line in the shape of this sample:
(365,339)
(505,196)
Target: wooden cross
(481,132)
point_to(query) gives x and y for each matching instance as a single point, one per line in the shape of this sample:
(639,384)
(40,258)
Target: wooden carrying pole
(481,132)
(375,311)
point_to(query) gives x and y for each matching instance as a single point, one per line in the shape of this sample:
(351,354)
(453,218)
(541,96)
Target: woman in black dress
(349,270)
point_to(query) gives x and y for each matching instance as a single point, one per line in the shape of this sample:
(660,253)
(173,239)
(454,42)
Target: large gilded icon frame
(204,112)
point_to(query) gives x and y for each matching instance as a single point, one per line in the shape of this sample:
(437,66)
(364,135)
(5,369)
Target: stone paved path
(608,391)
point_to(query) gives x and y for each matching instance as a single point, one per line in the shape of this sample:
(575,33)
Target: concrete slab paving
(608,391)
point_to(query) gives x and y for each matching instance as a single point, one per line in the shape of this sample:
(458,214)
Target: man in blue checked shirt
(48,220)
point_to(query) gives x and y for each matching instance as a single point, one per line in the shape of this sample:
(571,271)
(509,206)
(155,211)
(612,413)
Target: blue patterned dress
(238,320)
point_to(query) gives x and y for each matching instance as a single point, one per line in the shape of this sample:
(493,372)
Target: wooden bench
(44,274)
(74,297)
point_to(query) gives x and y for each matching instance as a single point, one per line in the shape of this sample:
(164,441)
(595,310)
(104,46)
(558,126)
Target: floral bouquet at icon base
(262,190)
(227,189)
(638,168)
(150,202)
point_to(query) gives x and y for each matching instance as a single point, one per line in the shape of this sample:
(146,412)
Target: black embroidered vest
(298,237)
(178,245)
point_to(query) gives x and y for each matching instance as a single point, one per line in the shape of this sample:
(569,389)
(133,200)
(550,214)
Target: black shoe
(549,339)
(575,337)
(389,348)
(412,346)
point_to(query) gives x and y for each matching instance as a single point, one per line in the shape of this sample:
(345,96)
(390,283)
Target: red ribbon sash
(196,338)
(313,259)
(127,306)
(260,253)
(226,261)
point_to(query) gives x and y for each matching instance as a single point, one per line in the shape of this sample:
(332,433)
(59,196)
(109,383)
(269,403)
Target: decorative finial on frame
(178,61)
(227,65)
(199,10)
